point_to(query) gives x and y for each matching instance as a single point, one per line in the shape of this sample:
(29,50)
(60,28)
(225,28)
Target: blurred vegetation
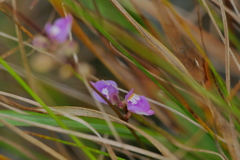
(182,55)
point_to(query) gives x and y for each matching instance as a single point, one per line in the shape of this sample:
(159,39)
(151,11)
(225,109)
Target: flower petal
(111,90)
(108,90)
(138,104)
(129,94)
(113,94)
(150,112)
(59,31)
(99,98)
(99,87)
(111,82)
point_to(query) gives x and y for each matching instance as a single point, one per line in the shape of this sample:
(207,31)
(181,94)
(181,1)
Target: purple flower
(59,31)
(138,104)
(108,89)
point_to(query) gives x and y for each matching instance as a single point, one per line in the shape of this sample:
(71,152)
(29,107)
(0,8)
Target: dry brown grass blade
(234,137)
(229,134)
(150,27)
(60,147)
(64,113)
(175,141)
(189,146)
(234,91)
(18,147)
(213,20)
(21,46)
(157,144)
(228,11)
(9,102)
(29,45)
(32,140)
(135,155)
(214,52)
(63,88)
(219,32)
(227,47)
(78,111)
(103,147)
(94,138)
(10,52)
(77,119)
(7,9)
(191,149)
(75,111)
(183,48)
(159,47)
(10,107)
(213,121)
(234,4)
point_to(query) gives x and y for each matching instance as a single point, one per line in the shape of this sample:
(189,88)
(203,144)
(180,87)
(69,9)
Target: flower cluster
(134,103)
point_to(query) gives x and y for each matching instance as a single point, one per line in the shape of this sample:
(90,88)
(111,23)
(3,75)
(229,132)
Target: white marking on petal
(134,98)
(105,92)
(54,30)
(141,113)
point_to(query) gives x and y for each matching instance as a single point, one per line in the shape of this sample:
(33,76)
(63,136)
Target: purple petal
(112,90)
(111,82)
(138,104)
(99,98)
(150,112)
(99,86)
(59,31)
(129,94)
(113,94)
(108,90)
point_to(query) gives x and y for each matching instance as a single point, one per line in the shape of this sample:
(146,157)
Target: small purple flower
(108,89)
(59,31)
(138,104)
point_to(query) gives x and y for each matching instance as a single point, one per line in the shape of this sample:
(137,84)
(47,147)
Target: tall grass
(186,62)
